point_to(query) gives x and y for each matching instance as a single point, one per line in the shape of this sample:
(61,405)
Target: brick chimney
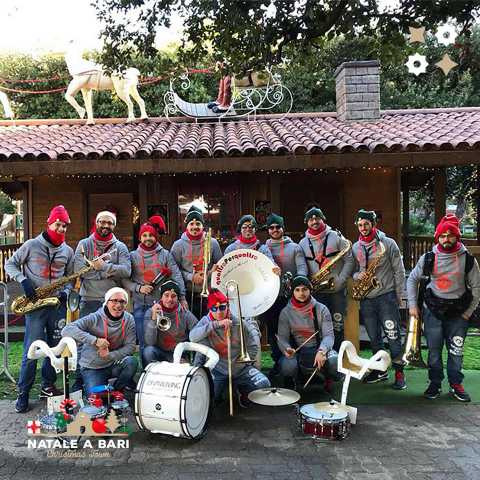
(358,91)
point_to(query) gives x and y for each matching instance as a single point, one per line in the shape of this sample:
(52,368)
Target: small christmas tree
(112,421)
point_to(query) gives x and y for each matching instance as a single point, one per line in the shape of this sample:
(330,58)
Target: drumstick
(310,379)
(307,340)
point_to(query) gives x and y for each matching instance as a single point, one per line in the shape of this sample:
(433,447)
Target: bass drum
(174,399)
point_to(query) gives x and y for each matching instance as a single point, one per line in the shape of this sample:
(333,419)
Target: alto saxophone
(44,295)
(361,288)
(320,280)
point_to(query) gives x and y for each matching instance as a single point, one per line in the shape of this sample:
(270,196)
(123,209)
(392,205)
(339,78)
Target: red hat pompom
(159,223)
(58,213)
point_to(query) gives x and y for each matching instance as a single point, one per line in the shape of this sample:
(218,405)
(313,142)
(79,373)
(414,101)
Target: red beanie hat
(215,298)
(159,223)
(146,227)
(58,213)
(448,223)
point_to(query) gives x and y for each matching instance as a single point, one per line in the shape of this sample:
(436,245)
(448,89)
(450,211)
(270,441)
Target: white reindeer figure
(7,110)
(89,76)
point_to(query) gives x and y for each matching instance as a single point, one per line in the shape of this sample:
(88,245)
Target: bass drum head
(196,406)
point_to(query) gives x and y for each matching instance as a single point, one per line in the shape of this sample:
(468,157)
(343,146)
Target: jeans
(152,353)
(123,370)
(303,361)
(337,306)
(270,317)
(450,332)
(382,313)
(247,380)
(86,307)
(139,315)
(39,325)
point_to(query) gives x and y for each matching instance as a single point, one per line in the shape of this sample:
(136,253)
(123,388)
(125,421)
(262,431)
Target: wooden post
(477,204)
(440,193)
(142,199)
(406,227)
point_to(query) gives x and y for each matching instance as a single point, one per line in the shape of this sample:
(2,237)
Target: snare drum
(324,421)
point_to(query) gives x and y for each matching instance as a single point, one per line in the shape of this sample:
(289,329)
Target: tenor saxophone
(361,288)
(320,280)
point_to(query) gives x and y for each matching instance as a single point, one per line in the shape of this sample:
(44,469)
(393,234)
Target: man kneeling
(161,340)
(212,330)
(108,338)
(300,319)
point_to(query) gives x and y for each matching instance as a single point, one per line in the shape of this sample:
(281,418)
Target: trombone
(207,255)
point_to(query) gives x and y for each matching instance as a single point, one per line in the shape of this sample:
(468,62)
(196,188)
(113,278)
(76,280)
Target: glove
(62,296)
(28,288)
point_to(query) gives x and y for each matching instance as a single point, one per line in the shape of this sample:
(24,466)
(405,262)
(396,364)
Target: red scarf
(99,238)
(170,310)
(455,248)
(194,237)
(248,241)
(55,238)
(148,249)
(303,307)
(369,237)
(313,232)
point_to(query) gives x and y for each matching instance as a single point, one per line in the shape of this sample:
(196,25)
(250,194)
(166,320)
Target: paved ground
(431,442)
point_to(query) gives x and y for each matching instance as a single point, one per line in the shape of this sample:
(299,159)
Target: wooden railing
(6,251)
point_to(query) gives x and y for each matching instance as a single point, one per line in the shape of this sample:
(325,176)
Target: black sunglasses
(222,308)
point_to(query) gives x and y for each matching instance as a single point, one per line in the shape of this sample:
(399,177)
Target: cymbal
(328,407)
(274,397)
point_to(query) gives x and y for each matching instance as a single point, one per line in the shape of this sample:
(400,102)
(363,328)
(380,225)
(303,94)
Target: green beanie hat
(369,215)
(274,219)
(169,285)
(246,218)
(314,212)
(301,280)
(194,213)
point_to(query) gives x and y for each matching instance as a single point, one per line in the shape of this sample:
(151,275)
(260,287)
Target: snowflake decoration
(446,34)
(417,64)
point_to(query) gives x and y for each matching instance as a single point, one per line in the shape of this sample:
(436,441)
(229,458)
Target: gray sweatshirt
(447,279)
(186,251)
(207,332)
(120,333)
(335,242)
(96,283)
(42,262)
(146,265)
(289,256)
(237,245)
(390,272)
(182,322)
(299,324)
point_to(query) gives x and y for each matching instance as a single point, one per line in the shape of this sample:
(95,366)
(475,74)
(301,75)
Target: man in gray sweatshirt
(290,258)
(108,340)
(380,307)
(160,344)
(300,319)
(319,245)
(188,253)
(38,262)
(452,278)
(211,331)
(107,273)
(151,266)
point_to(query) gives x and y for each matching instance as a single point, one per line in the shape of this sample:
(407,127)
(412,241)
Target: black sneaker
(376,376)
(21,405)
(399,383)
(243,400)
(457,390)
(433,391)
(51,391)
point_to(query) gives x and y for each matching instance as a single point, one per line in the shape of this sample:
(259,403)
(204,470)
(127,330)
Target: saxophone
(44,295)
(319,279)
(361,288)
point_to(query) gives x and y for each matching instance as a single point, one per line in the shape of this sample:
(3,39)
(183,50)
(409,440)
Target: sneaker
(433,391)
(21,405)
(376,376)
(399,383)
(457,390)
(50,391)
(210,105)
(243,400)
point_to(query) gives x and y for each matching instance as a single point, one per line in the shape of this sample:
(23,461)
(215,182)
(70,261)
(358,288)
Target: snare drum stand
(4,370)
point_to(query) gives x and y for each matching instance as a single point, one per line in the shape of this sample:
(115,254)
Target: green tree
(6,205)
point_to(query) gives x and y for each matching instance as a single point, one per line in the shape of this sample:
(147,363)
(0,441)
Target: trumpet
(163,322)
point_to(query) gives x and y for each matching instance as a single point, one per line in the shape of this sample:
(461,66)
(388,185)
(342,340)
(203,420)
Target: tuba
(320,280)
(361,288)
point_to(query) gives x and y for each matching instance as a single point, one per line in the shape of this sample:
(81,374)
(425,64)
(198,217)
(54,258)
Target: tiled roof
(298,134)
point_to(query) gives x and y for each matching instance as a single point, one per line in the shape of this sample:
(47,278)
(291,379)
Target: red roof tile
(396,131)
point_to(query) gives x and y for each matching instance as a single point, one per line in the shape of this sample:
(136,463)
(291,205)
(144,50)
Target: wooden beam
(440,193)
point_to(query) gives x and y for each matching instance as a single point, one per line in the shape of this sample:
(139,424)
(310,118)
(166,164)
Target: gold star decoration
(417,34)
(446,64)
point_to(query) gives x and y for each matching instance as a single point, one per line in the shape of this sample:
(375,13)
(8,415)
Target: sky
(40,26)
